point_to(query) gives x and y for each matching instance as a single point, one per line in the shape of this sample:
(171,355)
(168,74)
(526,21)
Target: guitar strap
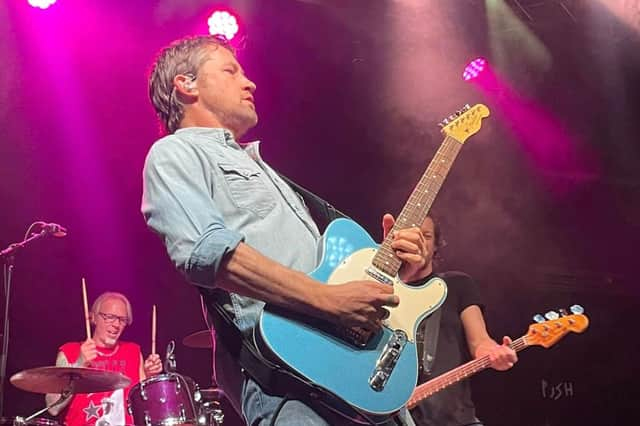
(321,211)
(428,343)
(267,374)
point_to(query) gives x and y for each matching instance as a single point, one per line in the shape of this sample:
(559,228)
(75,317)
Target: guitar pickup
(356,336)
(378,276)
(387,360)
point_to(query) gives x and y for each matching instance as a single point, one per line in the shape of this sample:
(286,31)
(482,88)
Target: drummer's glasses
(110,318)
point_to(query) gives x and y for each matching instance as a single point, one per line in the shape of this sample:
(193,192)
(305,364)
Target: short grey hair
(184,56)
(95,308)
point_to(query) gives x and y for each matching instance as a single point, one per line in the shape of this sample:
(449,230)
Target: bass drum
(19,421)
(162,400)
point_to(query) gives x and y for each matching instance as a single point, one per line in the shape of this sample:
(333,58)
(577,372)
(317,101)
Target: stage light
(223,23)
(42,4)
(474,69)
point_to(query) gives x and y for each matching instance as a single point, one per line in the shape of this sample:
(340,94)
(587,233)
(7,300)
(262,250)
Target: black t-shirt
(451,406)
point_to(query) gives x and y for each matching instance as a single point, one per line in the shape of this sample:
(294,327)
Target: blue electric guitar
(374,373)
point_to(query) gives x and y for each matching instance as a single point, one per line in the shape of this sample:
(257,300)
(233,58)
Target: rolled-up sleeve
(177,203)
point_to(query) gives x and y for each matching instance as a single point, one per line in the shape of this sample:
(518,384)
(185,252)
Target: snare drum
(19,421)
(163,400)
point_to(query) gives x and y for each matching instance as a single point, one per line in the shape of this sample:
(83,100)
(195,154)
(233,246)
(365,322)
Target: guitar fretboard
(417,207)
(427,389)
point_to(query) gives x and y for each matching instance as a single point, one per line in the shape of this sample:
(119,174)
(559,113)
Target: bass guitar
(545,334)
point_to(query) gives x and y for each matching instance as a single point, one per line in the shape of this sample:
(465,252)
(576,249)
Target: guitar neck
(449,378)
(417,207)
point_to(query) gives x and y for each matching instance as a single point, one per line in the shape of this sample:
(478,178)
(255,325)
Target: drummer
(110,314)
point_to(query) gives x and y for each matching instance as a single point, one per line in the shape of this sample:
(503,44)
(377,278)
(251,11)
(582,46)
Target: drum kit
(165,399)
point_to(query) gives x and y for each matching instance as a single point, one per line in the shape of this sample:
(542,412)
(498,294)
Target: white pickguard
(415,302)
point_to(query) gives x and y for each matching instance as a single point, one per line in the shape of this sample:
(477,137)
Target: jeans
(259,409)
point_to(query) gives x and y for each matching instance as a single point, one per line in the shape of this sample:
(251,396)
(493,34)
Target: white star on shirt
(91,411)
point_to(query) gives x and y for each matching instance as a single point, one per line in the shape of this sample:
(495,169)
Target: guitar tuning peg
(538,318)
(467,107)
(551,315)
(444,122)
(576,309)
(563,312)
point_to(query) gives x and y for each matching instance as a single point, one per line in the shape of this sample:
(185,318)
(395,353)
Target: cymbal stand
(63,397)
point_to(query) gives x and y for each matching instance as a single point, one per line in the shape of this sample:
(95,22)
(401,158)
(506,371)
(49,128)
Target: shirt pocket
(247,189)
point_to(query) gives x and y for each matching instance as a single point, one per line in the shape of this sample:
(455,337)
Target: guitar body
(341,367)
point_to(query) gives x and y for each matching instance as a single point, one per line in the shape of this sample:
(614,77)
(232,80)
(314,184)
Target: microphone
(54,229)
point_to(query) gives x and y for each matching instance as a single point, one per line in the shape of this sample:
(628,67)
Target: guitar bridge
(387,360)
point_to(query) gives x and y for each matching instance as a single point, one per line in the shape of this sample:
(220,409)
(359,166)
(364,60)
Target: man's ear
(185,84)
(92,318)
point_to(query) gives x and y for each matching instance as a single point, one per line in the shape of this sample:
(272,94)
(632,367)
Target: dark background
(541,207)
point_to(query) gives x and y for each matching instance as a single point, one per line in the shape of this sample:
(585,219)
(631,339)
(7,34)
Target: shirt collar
(224,137)
(217,135)
(253,150)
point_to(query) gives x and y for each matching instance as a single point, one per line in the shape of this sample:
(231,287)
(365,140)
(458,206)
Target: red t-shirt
(104,408)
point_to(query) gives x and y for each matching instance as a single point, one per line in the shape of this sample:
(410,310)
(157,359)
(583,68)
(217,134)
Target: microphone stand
(8,255)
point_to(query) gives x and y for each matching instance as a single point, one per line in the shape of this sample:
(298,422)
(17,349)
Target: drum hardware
(20,421)
(210,414)
(170,358)
(31,420)
(211,394)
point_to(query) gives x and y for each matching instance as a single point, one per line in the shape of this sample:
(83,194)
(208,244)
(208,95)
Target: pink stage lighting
(223,23)
(42,4)
(474,69)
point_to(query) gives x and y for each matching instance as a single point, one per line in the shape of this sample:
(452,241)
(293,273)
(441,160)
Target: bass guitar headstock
(554,326)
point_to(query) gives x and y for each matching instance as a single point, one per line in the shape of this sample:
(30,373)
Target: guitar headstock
(465,122)
(547,333)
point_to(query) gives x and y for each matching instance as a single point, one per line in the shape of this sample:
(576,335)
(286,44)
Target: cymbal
(198,340)
(74,379)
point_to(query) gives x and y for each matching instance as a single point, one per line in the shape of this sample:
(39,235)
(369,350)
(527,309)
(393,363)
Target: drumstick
(153,330)
(86,309)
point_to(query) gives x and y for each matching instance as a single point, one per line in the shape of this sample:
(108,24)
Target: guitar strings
(434,385)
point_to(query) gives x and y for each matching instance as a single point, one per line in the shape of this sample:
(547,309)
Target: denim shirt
(203,193)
